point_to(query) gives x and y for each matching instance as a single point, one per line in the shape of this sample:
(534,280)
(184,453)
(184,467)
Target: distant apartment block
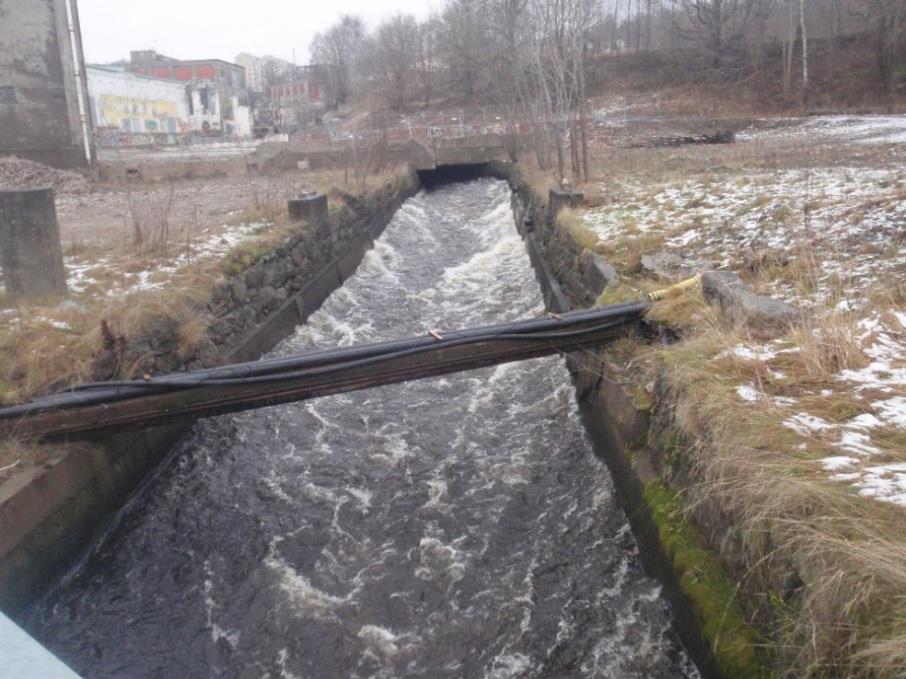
(262,72)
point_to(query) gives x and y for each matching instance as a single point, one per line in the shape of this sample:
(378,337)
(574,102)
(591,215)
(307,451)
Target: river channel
(450,527)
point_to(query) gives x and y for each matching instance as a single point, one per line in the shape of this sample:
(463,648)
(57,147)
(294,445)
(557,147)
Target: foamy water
(451,527)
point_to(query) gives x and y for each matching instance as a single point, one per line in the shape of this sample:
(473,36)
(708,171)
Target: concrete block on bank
(737,299)
(597,273)
(30,250)
(562,197)
(310,207)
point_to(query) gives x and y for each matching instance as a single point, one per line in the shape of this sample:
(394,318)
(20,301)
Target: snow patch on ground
(847,222)
(82,274)
(869,454)
(748,392)
(876,129)
(867,443)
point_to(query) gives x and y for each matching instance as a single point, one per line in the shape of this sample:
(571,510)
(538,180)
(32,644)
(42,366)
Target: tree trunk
(805,80)
(788,53)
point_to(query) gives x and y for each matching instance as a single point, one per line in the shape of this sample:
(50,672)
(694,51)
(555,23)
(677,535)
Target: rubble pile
(17,173)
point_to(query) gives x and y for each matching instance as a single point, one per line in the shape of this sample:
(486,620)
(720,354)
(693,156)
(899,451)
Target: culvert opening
(449,174)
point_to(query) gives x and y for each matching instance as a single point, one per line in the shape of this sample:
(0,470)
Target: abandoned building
(44,113)
(217,98)
(126,104)
(303,98)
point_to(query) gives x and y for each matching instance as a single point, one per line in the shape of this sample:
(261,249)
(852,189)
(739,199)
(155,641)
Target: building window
(7,94)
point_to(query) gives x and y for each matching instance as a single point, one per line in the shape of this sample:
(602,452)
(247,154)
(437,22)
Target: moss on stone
(614,294)
(641,400)
(710,588)
(244,256)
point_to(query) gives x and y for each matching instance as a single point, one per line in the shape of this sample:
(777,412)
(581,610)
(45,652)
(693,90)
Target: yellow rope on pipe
(675,290)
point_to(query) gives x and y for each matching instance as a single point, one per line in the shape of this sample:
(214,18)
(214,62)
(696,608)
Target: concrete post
(562,197)
(30,251)
(311,208)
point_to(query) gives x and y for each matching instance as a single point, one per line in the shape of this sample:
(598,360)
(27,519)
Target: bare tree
(394,55)
(464,45)
(427,50)
(788,46)
(804,33)
(716,25)
(339,47)
(887,22)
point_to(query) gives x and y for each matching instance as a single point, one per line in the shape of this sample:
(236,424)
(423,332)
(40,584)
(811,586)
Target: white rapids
(449,527)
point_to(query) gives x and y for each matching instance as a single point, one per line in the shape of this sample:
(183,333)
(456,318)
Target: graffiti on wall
(136,115)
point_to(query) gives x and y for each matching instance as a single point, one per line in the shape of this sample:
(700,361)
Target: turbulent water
(455,527)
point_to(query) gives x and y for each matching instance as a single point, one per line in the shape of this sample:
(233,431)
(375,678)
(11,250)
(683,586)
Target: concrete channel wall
(49,513)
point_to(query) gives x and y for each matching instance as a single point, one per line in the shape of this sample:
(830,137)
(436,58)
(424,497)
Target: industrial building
(216,92)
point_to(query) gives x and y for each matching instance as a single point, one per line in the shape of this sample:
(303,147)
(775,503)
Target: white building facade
(130,104)
(125,103)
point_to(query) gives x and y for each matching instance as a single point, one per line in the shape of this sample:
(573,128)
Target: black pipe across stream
(450,527)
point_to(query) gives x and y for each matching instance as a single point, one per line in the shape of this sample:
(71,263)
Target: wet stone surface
(452,527)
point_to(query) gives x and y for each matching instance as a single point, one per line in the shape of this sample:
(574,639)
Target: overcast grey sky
(201,29)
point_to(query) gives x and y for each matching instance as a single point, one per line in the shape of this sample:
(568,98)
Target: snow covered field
(875,129)
(829,237)
(849,221)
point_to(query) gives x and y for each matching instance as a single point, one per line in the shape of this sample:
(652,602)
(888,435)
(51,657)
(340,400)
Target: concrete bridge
(421,154)
(459,151)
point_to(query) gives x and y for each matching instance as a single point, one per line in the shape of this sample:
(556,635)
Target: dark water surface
(452,527)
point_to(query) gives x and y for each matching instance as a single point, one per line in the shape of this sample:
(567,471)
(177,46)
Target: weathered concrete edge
(57,510)
(617,428)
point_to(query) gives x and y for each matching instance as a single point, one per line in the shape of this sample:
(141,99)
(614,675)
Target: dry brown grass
(829,561)
(683,312)
(828,342)
(540,180)
(571,224)
(15,454)
(36,356)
